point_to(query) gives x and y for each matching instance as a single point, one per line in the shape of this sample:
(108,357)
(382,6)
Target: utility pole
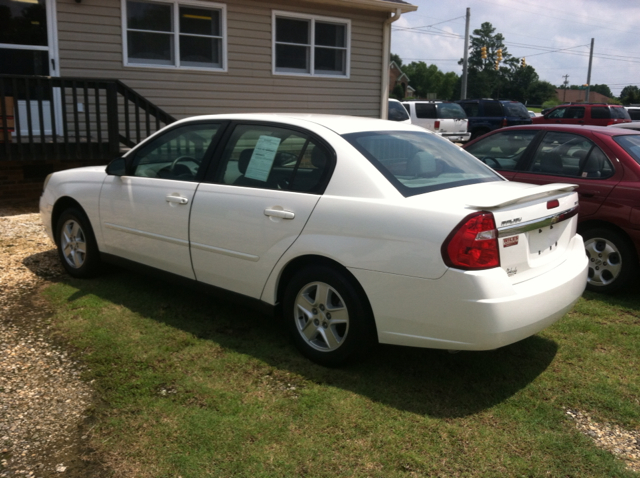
(465,61)
(586,97)
(566,82)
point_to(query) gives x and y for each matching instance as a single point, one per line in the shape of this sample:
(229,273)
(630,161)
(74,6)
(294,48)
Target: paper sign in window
(262,158)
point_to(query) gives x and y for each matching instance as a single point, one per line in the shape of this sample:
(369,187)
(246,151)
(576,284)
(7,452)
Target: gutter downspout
(386,52)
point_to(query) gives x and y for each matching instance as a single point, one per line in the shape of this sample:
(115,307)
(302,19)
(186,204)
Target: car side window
(471,109)
(600,112)
(575,112)
(557,113)
(425,110)
(177,154)
(269,157)
(493,108)
(502,151)
(566,154)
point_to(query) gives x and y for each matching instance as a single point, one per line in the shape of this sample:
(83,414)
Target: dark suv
(598,114)
(487,114)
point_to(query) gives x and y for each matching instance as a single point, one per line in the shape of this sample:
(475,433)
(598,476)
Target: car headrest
(243,161)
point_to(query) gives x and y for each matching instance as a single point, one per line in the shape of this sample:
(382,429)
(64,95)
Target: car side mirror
(117,167)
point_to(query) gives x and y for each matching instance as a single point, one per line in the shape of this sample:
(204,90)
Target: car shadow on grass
(424,381)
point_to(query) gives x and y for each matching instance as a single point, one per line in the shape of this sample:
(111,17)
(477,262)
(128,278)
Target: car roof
(336,123)
(570,128)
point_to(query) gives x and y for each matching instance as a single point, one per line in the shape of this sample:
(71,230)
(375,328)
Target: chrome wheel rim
(321,316)
(605,261)
(73,244)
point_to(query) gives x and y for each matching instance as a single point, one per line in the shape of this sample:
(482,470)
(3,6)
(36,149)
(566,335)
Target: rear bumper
(478,310)
(455,137)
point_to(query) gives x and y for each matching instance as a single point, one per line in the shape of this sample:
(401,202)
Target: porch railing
(72,118)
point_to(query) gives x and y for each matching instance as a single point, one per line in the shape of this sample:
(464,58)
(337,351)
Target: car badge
(515,220)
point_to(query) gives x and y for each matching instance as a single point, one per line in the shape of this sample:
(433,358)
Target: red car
(604,163)
(598,114)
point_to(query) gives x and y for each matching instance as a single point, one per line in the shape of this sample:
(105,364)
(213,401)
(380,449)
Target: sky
(553,36)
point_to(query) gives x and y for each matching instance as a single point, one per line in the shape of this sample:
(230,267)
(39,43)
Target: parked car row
(462,120)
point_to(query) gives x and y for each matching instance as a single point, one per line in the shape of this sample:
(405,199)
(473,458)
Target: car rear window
(450,110)
(620,113)
(516,109)
(631,144)
(417,163)
(397,112)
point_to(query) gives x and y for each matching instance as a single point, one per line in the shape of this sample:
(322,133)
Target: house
(577,96)
(398,77)
(121,69)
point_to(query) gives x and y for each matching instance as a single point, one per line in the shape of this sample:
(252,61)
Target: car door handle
(177,199)
(281,213)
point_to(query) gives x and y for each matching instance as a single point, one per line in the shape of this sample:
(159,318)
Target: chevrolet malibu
(356,230)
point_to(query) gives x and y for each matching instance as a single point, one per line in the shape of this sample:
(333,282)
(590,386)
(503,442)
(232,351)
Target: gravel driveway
(45,419)
(44,424)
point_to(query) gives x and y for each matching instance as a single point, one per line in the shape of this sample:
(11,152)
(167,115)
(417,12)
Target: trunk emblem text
(511,221)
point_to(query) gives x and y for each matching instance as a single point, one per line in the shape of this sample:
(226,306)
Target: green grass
(193,386)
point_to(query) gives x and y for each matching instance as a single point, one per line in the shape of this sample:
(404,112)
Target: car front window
(631,144)
(177,154)
(502,150)
(417,163)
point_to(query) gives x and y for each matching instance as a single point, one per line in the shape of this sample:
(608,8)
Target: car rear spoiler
(507,198)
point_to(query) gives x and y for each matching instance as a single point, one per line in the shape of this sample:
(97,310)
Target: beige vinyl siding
(90,45)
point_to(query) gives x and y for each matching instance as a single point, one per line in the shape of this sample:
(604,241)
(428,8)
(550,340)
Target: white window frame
(176,4)
(312,46)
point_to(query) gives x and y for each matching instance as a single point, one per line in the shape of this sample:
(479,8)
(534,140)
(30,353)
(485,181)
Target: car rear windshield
(631,144)
(417,163)
(397,112)
(450,111)
(620,113)
(516,109)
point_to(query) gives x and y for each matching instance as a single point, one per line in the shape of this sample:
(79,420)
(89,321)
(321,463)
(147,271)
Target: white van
(444,118)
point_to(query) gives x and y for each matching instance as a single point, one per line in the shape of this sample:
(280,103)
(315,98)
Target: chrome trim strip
(226,252)
(537,223)
(149,235)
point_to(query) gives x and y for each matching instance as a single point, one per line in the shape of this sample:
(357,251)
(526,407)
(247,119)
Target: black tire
(339,324)
(77,247)
(612,260)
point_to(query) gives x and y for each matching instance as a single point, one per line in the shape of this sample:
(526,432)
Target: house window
(310,45)
(171,34)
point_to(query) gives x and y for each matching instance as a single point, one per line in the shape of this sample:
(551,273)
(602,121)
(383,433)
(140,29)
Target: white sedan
(362,230)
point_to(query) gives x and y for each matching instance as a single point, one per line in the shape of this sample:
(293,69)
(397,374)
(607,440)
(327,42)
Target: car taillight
(611,121)
(473,244)
(504,122)
(436,125)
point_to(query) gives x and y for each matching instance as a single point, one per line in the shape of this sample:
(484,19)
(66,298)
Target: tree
(603,90)
(542,92)
(484,79)
(428,80)
(397,59)
(630,95)
(510,79)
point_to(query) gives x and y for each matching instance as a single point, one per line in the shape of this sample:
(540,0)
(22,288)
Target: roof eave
(377,5)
